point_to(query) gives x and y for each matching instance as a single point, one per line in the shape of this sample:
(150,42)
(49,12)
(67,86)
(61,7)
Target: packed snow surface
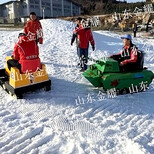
(74,117)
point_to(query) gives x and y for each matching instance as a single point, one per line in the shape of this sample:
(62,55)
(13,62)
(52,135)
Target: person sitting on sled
(24,49)
(130,57)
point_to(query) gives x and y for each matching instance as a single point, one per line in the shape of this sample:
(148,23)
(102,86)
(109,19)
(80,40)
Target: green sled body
(105,73)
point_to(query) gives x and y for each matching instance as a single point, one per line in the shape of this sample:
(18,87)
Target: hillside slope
(74,117)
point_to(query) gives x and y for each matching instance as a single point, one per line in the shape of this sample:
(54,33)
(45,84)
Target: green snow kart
(106,73)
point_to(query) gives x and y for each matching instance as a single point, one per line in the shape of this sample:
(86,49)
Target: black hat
(79,18)
(21,34)
(33,13)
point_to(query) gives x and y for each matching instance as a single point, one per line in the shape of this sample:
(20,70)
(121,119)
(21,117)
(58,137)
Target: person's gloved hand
(121,64)
(111,56)
(93,47)
(40,40)
(12,56)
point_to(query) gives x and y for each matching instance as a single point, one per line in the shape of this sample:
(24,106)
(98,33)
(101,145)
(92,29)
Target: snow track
(74,117)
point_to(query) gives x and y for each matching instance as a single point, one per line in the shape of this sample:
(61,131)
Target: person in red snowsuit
(33,28)
(74,36)
(24,49)
(130,57)
(84,36)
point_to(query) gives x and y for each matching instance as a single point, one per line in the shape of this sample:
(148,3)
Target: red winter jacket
(33,30)
(84,37)
(25,49)
(129,54)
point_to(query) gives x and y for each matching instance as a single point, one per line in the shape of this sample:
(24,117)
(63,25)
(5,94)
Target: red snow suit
(33,30)
(129,54)
(26,50)
(84,37)
(130,58)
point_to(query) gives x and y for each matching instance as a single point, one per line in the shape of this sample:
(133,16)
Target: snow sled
(17,82)
(106,73)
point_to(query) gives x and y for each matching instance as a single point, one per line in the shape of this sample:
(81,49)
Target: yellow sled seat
(7,71)
(19,83)
(18,79)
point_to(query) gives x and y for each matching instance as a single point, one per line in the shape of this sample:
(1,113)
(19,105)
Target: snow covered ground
(74,117)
